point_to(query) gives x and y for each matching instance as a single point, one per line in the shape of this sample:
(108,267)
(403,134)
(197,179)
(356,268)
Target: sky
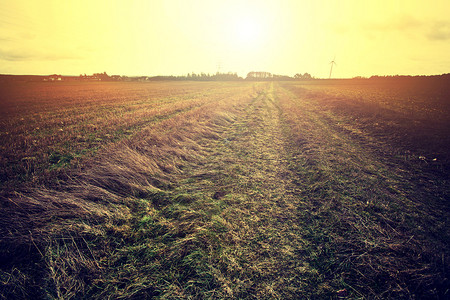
(177,37)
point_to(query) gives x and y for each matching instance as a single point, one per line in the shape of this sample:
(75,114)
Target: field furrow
(367,213)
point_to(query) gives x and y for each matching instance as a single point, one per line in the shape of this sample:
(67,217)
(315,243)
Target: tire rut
(248,172)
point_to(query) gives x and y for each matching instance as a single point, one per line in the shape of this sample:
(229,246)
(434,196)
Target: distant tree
(305,76)
(281,77)
(225,76)
(258,75)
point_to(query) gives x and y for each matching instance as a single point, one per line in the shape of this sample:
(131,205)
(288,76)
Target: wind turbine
(332,63)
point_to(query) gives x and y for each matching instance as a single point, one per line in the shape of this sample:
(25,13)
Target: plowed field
(239,190)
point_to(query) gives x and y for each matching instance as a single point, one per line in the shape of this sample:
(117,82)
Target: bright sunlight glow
(175,37)
(247,32)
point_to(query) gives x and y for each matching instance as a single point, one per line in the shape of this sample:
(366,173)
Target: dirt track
(248,170)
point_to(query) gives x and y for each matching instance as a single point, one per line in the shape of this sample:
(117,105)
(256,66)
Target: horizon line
(231,73)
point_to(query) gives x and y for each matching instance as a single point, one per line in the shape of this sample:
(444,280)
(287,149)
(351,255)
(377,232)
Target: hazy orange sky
(183,36)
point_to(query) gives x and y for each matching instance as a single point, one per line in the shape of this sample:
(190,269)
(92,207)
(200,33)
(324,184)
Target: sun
(247,32)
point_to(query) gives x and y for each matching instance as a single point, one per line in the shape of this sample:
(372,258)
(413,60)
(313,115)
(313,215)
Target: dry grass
(252,192)
(104,194)
(47,127)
